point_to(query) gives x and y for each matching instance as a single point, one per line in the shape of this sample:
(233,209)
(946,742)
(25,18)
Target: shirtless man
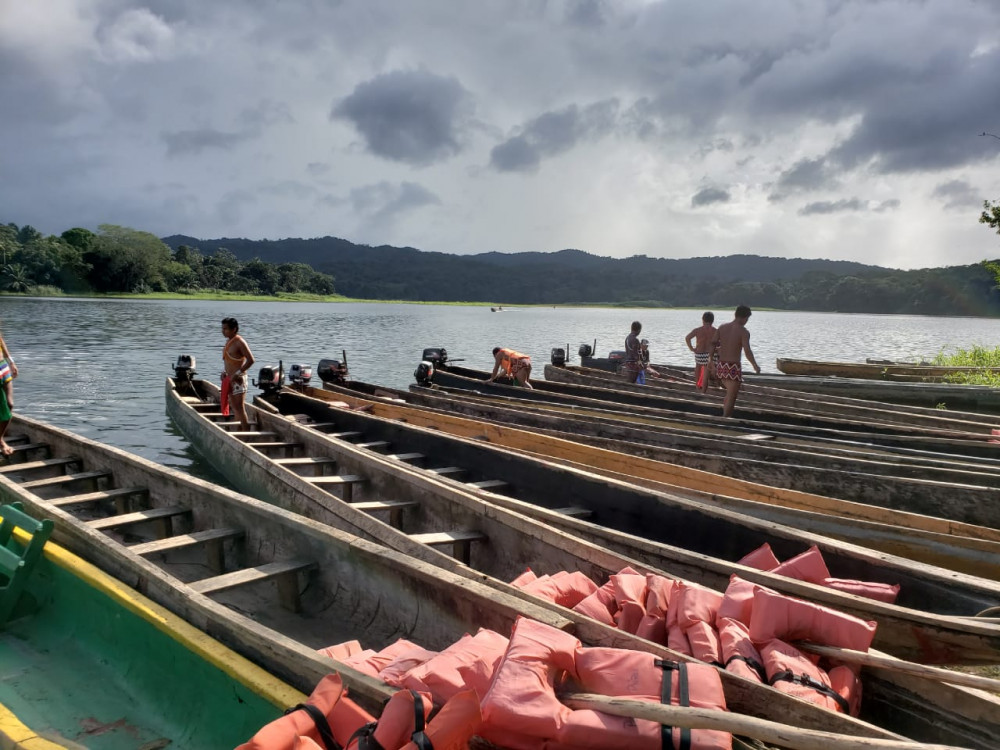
(704,343)
(733,340)
(513,364)
(237,359)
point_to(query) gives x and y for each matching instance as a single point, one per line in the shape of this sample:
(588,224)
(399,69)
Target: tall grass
(977,356)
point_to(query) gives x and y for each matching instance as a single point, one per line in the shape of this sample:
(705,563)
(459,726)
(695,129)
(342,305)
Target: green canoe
(86,661)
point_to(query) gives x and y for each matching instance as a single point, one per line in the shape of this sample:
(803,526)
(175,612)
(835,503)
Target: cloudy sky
(801,128)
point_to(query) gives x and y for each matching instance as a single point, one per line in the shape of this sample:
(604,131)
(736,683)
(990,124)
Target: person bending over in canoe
(704,343)
(514,365)
(733,340)
(237,359)
(8,371)
(633,360)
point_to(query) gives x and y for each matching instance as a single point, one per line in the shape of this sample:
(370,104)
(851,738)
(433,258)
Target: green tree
(179,276)
(80,238)
(8,242)
(991,215)
(124,259)
(218,271)
(27,234)
(261,275)
(16,278)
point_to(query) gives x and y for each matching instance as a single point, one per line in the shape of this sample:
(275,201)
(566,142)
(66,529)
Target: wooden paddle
(882,661)
(747,726)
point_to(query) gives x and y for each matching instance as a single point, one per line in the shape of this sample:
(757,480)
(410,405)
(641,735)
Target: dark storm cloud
(414,117)
(958,195)
(846,205)
(834,207)
(186,142)
(553,133)
(586,13)
(805,175)
(708,196)
(384,201)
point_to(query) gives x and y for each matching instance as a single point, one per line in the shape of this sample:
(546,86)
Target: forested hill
(576,277)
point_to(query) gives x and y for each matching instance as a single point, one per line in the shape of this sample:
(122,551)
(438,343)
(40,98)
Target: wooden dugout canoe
(88,659)
(652,406)
(718,535)
(869,370)
(775,398)
(949,544)
(172,535)
(507,541)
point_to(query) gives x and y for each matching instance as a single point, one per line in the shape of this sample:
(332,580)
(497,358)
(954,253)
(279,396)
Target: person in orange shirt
(513,364)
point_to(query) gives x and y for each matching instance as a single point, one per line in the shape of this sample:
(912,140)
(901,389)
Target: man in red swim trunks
(733,340)
(237,359)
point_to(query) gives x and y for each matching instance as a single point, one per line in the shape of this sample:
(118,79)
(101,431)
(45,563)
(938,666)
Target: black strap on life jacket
(366,734)
(755,665)
(809,682)
(666,695)
(421,740)
(322,725)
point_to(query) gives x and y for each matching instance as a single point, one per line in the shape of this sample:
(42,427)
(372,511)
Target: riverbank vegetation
(119,260)
(977,356)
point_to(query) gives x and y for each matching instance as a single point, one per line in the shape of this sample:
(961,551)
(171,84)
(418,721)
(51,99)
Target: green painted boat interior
(79,669)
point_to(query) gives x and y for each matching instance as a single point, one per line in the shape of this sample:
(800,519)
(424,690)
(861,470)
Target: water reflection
(97,367)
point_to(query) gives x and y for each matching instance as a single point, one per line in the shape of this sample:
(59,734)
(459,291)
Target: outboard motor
(184,371)
(585,350)
(332,371)
(424,372)
(299,374)
(558,357)
(270,379)
(437,356)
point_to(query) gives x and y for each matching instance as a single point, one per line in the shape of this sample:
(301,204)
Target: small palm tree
(16,278)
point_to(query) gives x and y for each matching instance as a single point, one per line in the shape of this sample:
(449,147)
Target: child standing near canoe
(704,338)
(8,371)
(733,341)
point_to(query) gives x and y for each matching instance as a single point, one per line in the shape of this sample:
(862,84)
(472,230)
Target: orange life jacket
(328,707)
(779,616)
(565,589)
(761,558)
(468,663)
(739,654)
(509,357)
(522,694)
(883,592)
(454,725)
(635,674)
(792,672)
(809,566)
(737,603)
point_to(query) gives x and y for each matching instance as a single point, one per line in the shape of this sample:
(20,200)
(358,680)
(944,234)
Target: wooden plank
(120,495)
(395,508)
(305,461)
(185,541)
(345,481)
(374,444)
(575,511)
(406,456)
(43,464)
(254,436)
(39,484)
(130,519)
(488,484)
(285,572)
(460,541)
(445,471)
(344,435)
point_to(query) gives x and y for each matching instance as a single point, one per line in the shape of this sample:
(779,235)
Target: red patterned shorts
(729,371)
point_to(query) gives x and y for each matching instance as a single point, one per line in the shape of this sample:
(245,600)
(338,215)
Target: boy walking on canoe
(237,359)
(704,344)
(733,341)
(633,364)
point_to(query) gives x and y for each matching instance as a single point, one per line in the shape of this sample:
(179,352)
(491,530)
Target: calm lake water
(97,367)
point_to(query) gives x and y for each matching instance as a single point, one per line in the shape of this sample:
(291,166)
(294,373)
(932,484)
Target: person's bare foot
(5,448)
